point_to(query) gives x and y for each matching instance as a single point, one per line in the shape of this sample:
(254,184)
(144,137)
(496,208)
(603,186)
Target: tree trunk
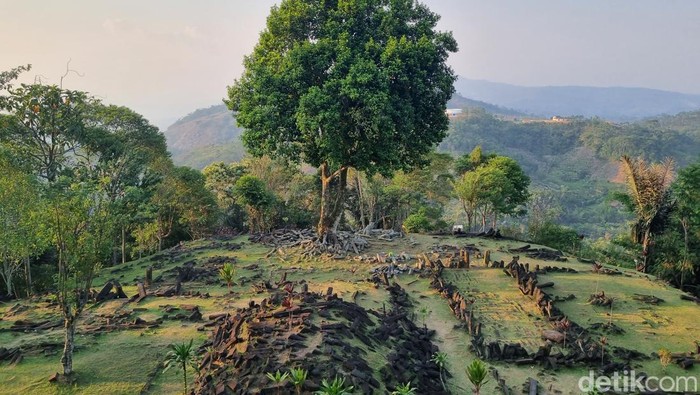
(28,275)
(123,245)
(332,198)
(685,225)
(68,345)
(360,199)
(646,248)
(7,276)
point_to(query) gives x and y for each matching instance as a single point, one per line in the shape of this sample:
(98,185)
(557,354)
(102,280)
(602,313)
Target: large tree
(346,84)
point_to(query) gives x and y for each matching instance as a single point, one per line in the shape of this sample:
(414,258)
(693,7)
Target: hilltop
(122,342)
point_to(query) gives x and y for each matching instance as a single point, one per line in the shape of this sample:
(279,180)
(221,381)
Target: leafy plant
(440,359)
(298,377)
(404,389)
(476,372)
(278,378)
(335,387)
(181,355)
(227,273)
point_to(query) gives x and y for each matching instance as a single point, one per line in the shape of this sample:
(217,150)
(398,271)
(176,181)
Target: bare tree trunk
(123,244)
(331,205)
(28,275)
(646,248)
(360,199)
(68,346)
(684,224)
(7,275)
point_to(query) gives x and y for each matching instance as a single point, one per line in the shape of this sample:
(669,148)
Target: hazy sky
(166,58)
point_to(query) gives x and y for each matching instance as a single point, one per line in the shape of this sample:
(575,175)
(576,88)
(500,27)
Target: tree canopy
(340,84)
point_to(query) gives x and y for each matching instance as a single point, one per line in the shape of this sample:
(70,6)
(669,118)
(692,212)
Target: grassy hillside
(117,356)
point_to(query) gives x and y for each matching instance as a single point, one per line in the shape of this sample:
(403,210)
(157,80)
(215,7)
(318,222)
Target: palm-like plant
(227,273)
(298,377)
(440,359)
(335,387)
(404,389)
(278,378)
(648,197)
(476,372)
(181,355)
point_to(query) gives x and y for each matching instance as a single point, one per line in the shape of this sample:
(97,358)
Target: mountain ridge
(620,104)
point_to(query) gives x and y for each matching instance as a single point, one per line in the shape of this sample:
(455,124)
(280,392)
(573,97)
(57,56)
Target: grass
(122,362)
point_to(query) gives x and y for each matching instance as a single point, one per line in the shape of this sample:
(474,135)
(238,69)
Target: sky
(167,58)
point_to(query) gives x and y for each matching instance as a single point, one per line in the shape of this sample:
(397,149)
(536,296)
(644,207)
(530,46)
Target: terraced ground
(125,360)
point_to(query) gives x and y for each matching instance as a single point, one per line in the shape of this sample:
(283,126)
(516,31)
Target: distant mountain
(205,136)
(616,104)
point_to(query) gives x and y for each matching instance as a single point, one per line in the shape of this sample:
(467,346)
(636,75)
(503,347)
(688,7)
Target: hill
(376,337)
(205,136)
(614,103)
(210,134)
(575,159)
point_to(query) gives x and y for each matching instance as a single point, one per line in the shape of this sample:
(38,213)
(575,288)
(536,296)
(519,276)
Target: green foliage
(48,128)
(556,236)
(404,389)
(477,372)
(181,355)
(6,77)
(349,85)
(252,193)
(278,378)
(227,273)
(495,186)
(298,377)
(425,219)
(440,359)
(23,231)
(678,245)
(335,387)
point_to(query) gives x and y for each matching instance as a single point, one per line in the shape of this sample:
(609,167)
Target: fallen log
(690,298)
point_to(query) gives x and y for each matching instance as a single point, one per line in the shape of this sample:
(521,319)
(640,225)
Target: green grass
(120,362)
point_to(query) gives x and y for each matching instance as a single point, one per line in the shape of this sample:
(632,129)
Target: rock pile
(311,244)
(540,253)
(583,347)
(323,334)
